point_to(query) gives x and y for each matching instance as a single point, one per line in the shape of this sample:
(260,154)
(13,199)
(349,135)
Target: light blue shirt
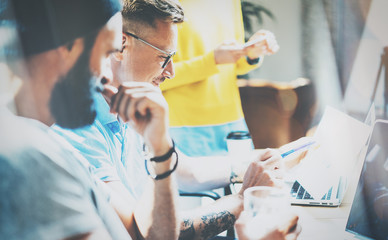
(112,147)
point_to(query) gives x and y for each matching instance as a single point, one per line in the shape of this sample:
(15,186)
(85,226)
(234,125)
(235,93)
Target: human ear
(72,49)
(118,56)
(70,53)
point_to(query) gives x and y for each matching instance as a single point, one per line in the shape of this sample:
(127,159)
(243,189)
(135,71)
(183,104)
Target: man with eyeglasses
(116,150)
(168,56)
(47,189)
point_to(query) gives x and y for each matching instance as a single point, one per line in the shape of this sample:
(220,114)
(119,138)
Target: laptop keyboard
(298,192)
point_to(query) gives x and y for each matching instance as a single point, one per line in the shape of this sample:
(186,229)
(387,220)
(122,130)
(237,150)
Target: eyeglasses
(167,58)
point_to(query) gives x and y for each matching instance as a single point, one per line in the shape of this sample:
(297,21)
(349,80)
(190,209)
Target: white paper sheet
(340,138)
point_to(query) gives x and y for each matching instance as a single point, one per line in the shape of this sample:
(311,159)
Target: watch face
(234,178)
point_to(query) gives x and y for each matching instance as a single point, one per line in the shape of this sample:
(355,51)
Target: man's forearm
(159,219)
(208,221)
(160,216)
(208,226)
(203,173)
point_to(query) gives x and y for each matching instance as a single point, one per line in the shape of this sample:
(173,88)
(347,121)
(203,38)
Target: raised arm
(202,67)
(192,70)
(212,172)
(143,106)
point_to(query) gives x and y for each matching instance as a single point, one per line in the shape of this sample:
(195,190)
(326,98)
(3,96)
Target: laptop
(331,175)
(368,218)
(332,198)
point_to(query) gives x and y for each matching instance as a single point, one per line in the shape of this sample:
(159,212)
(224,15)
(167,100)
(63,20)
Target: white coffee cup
(239,142)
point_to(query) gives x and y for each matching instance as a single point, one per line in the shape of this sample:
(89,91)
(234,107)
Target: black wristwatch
(253,61)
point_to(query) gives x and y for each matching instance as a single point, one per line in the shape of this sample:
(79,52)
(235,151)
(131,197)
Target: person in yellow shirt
(203,97)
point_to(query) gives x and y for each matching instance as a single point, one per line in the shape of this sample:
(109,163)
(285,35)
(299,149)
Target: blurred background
(331,53)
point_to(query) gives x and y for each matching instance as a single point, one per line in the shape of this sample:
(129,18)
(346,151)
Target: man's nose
(169,71)
(106,72)
(106,83)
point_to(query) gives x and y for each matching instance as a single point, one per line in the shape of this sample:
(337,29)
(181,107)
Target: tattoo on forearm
(187,231)
(216,223)
(210,225)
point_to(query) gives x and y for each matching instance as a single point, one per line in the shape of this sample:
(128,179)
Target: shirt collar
(103,110)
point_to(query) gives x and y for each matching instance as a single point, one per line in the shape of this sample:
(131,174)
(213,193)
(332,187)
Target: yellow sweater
(204,94)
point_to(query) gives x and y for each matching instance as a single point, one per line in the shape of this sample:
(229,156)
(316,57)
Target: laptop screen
(368,217)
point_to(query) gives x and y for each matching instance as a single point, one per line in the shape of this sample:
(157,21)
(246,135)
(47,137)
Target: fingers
(134,105)
(256,175)
(290,228)
(266,170)
(300,153)
(125,101)
(243,219)
(290,225)
(228,52)
(271,44)
(267,46)
(266,154)
(241,223)
(293,235)
(270,40)
(269,155)
(123,105)
(278,227)
(116,100)
(229,42)
(108,92)
(292,160)
(261,43)
(272,159)
(278,182)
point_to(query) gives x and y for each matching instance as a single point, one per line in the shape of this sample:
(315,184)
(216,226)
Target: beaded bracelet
(165,156)
(159,159)
(163,175)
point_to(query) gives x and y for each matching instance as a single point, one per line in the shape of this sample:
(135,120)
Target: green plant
(251,11)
